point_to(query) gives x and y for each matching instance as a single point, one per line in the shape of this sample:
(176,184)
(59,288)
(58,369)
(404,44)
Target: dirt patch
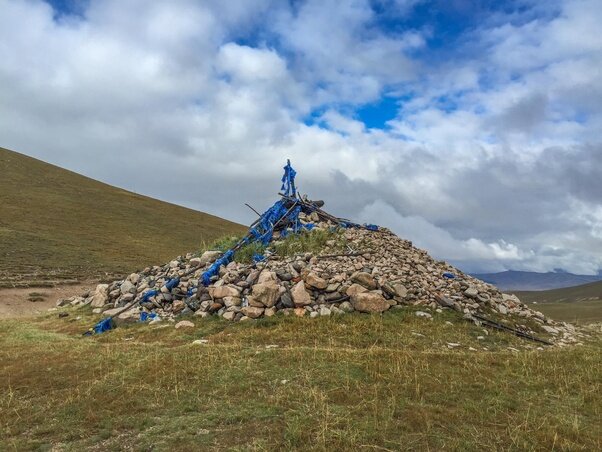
(18,302)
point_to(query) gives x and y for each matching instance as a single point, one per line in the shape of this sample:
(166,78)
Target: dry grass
(355,382)
(56,225)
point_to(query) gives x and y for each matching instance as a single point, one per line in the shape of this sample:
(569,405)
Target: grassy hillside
(528,281)
(56,224)
(353,382)
(585,292)
(581,304)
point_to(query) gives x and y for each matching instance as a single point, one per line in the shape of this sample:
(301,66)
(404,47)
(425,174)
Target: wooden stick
(258,214)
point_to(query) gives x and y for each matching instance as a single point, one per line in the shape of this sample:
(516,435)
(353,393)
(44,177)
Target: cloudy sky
(472,128)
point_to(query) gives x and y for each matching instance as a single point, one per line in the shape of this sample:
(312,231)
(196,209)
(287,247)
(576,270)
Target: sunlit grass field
(355,382)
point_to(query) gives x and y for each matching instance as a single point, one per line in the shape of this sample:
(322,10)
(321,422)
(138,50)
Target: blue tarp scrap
(172,283)
(449,275)
(148,295)
(258,257)
(144,316)
(349,224)
(214,269)
(103,325)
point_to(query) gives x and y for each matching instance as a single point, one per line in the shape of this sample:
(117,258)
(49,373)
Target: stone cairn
(361,269)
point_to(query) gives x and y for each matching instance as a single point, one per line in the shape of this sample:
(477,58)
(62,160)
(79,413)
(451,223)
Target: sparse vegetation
(309,242)
(341,383)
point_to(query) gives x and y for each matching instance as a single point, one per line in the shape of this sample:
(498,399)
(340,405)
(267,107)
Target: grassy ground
(356,382)
(57,225)
(581,312)
(579,304)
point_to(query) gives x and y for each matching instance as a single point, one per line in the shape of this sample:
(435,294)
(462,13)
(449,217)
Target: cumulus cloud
(492,160)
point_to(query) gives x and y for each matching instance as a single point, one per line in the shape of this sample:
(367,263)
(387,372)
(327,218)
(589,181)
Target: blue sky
(471,128)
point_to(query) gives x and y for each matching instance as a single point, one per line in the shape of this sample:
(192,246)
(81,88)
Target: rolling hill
(581,304)
(59,225)
(519,280)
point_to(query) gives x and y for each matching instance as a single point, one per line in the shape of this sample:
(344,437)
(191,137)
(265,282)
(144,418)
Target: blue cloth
(148,295)
(258,257)
(288,180)
(214,269)
(169,285)
(144,316)
(103,325)
(449,275)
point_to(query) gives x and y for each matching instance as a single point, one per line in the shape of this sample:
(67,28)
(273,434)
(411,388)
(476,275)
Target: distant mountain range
(517,280)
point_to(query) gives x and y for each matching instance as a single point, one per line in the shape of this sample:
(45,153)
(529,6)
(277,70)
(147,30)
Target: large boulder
(101,296)
(354,289)
(364,279)
(224,291)
(369,302)
(400,290)
(252,312)
(315,281)
(266,293)
(300,296)
(266,276)
(127,287)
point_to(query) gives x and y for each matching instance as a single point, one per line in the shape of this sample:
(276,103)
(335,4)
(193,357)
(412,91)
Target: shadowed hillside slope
(58,225)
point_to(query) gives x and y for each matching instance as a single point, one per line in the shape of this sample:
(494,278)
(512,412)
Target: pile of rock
(377,271)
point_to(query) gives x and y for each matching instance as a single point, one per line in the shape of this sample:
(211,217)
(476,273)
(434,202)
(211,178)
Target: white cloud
(493,161)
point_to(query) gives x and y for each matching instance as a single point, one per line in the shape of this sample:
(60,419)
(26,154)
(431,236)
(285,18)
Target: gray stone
(333,287)
(209,256)
(315,281)
(266,276)
(184,324)
(231,301)
(400,290)
(369,302)
(346,306)
(300,296)
(364,279)
(354,289)
(286,300)
(324,311)
(471,292)
(224,291)
(252,312)
(444,301)
(101,296)
(267,293)
(426,315)
(229,315)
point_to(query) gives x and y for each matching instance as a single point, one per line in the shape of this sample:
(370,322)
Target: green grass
(56,225)
(581,312)
(350,383)
(580,304)
(585,292)
(313,241)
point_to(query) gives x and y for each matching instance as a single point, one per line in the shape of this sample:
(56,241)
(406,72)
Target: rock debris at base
(379,272)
